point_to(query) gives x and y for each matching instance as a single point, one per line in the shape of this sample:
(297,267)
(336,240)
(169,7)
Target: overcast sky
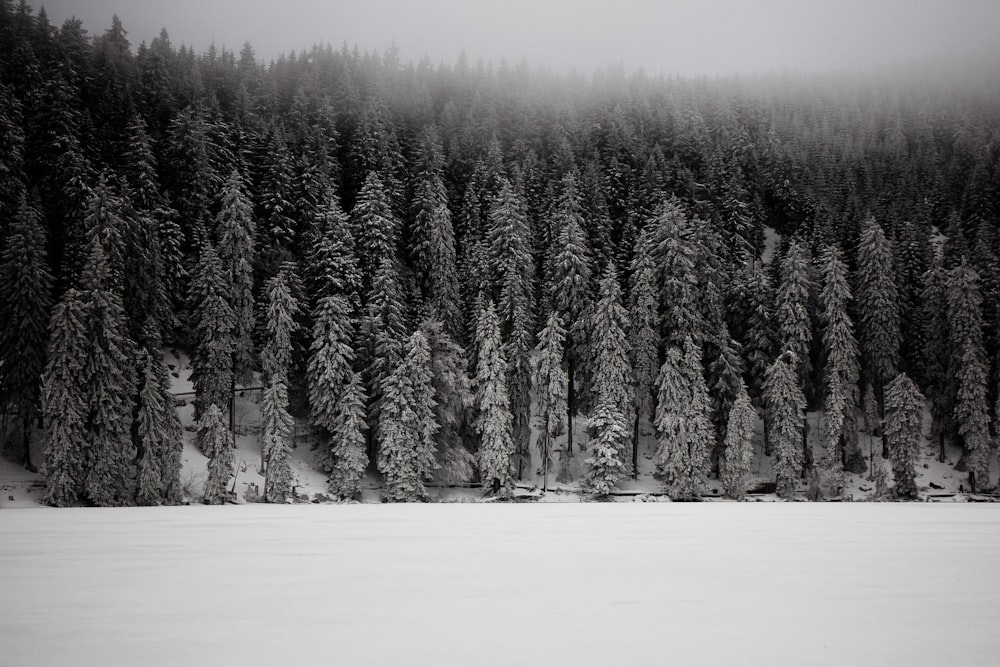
(673,36)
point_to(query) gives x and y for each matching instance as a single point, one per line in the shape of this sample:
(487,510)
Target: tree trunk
(545,460)
(570,407)
(635,449)
(26,439)
(941,452)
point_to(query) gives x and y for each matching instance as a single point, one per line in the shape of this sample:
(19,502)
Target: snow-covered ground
(461,584)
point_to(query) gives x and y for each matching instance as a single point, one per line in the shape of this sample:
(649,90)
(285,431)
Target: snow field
(454,584)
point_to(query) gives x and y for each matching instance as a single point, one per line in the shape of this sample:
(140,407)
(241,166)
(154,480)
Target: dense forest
(441,267)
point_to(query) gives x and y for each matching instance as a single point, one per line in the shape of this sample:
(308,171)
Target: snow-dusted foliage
(496,444)
(904,416)
(453,400)
(158,432)
(215,440)
(784,412)
(683,427)
(277,428)
(549,379)
(737,454)
(213,323)
(236,256)
(609,438)
(407,426)
(792,308)
(878,303)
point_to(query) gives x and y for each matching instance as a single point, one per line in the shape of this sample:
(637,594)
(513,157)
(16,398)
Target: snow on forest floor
(453,584)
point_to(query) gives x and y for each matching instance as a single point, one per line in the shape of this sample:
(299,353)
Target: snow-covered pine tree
(683,427)
(737,455)
(386,338)
(332,269)
(676,254)
(158,436)
(236,260)
(785,407)
(609,439)
(26,284)
(549,379)
(939,385)
(612,383)
(496,446)
(110,378)
(375,230)
(760,344)
(213,321)
(792,309)
(517,351)
(65,394)
(841,371)
(971,372)
(407,426)
(277,428)
(725,376)
(878,305)
(904,415)
(348,450)
(432,241)
(330,369)
(643,336)
(280,326)
(453,402)
(214,440)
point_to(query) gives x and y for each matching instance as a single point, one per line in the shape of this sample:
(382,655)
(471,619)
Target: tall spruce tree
(347,437)
(684,429)
(738,451)
(407,427)
(792,309)
(785,412)
(214,440)
(236,256)
(65,395)
(496,446)
(841,371)
(453,400)
(332,269)
(276,360)
(904,413)
(939,384)
(878,305)
(549,379)
(213,323)
(971,372)
(109,373)
(644,337)
(26,284)
(609,439)
(158,436)
(612,378)
(375,228)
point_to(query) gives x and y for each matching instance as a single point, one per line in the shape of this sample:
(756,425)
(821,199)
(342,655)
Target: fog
(687,37)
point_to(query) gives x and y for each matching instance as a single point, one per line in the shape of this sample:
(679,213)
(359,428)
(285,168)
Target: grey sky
(674,36)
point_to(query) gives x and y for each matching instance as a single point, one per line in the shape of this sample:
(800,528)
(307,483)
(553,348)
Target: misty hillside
(418,277)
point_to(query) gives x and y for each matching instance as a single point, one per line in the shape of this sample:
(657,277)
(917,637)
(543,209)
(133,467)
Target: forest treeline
(430,263)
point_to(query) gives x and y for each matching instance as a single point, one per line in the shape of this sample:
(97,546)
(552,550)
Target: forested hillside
(441,267)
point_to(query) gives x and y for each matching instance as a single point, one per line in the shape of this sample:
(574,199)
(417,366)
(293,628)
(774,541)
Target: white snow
(462,584)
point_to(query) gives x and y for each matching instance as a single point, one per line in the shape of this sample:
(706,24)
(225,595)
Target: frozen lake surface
(466,584)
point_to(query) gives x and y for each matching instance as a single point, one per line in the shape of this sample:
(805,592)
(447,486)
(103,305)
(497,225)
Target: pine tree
(214,440)
(496,447)
(453,402)
(643,336)
(407,426)
(549,379)
(792,311)
(785,407)
(277,428)
(571,292)
(904,411)
(738,450)
(939,383)
(347,437)
(111,388)
(682,287)
(332,269)
(236,256)
(841,372)
(970,371)
(612,379)
(158,432)
(609,439)
(683,427)
(26,285)
(760,343)
(213,322)
(280,325)
(375,229)
(330,368)
(65,395)
(386,337)
(878,305)
(432,244)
